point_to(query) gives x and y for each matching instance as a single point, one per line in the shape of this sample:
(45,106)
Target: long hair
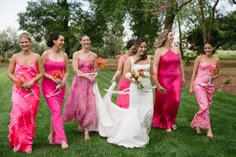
(160,41)
(137,44)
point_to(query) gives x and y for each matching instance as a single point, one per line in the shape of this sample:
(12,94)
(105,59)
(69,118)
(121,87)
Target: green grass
(180,143)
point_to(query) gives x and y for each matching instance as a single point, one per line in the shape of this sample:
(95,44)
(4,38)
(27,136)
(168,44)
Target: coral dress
(80,105)
(166,105)
(54,98)
(127,127)
(204,90)
(123,99)
(24,109)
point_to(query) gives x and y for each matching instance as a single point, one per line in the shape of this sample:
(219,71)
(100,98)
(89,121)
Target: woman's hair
(160,41)
(137,44)
(51,37)
(25,35)
(130,43)
(210,43)
(83,35)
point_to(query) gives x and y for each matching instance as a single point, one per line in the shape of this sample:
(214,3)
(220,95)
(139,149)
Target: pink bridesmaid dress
(54,98)
(80,105)
(204,90)
(24,109)
(166,105)
(123,99)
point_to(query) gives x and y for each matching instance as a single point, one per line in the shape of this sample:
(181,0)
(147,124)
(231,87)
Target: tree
(42,17)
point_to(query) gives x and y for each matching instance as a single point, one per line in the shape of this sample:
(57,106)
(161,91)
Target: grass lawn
(180,143)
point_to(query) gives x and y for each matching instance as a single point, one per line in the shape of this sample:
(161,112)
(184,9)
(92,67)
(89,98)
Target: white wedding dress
(127,127)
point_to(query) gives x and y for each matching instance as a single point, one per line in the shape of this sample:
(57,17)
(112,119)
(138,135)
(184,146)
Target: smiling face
(142,49)
(59,42)
(25,44)
(170,37)
(131,50)
(208,49)
(85,42)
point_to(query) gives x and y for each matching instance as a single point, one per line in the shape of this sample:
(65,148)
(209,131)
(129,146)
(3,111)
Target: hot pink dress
(80,104)
(54,98)
(24,109)
(166,105)
(123,99)
(204,90)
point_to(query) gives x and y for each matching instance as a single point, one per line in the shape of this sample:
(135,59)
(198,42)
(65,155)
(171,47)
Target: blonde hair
(160,41)
(25,35)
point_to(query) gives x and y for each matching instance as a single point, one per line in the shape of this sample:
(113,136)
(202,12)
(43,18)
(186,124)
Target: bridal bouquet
(136,75)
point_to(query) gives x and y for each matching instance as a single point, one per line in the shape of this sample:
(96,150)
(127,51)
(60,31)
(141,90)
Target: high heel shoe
(198,130)
(174,127)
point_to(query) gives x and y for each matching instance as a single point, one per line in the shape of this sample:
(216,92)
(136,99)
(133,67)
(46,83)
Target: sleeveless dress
(25,105)
(127,127)
(204,90)
(80,105)
(123,99)
(166,105)
(54,98)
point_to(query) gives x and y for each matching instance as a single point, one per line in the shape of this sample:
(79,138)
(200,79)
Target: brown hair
(137,44)
(160,41)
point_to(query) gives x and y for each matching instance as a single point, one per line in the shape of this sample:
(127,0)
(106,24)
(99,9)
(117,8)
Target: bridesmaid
(169,71)
(123,99)
(56,71)
(27,67)
(80,105)
(205,71)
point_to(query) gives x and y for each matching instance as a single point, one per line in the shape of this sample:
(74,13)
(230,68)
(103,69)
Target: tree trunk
(202,20)
(180,37)
(65,7)
(212,20)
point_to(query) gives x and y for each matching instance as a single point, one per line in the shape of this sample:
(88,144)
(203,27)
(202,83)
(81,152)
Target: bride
(129,127)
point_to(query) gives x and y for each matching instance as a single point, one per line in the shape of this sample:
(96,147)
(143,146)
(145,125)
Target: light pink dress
(204,91)
(166,105)
(123,99)
(54,99)
(24,109)
(80,105)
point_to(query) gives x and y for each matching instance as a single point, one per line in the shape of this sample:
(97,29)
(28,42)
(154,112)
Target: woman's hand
(161,89)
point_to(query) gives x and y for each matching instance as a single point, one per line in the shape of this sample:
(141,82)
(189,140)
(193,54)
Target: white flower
(140,78)
(133,79)
(128,75)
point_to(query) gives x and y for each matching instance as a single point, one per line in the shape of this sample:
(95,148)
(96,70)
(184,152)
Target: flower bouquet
(21,83)
(56,75)
(212,72)
(100,62)
(136,75)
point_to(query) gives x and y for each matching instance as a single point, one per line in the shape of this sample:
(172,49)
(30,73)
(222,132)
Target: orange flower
(100,62)
(20,82)
(57,74)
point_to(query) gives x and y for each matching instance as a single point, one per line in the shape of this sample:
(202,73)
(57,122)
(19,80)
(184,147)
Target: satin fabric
(166,105)
(80,104)
(54,98)
(25,105)
(123,99)
(127,127)
(204,91)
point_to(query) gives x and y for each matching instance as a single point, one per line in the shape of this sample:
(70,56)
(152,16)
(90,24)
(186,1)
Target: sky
(10,8)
